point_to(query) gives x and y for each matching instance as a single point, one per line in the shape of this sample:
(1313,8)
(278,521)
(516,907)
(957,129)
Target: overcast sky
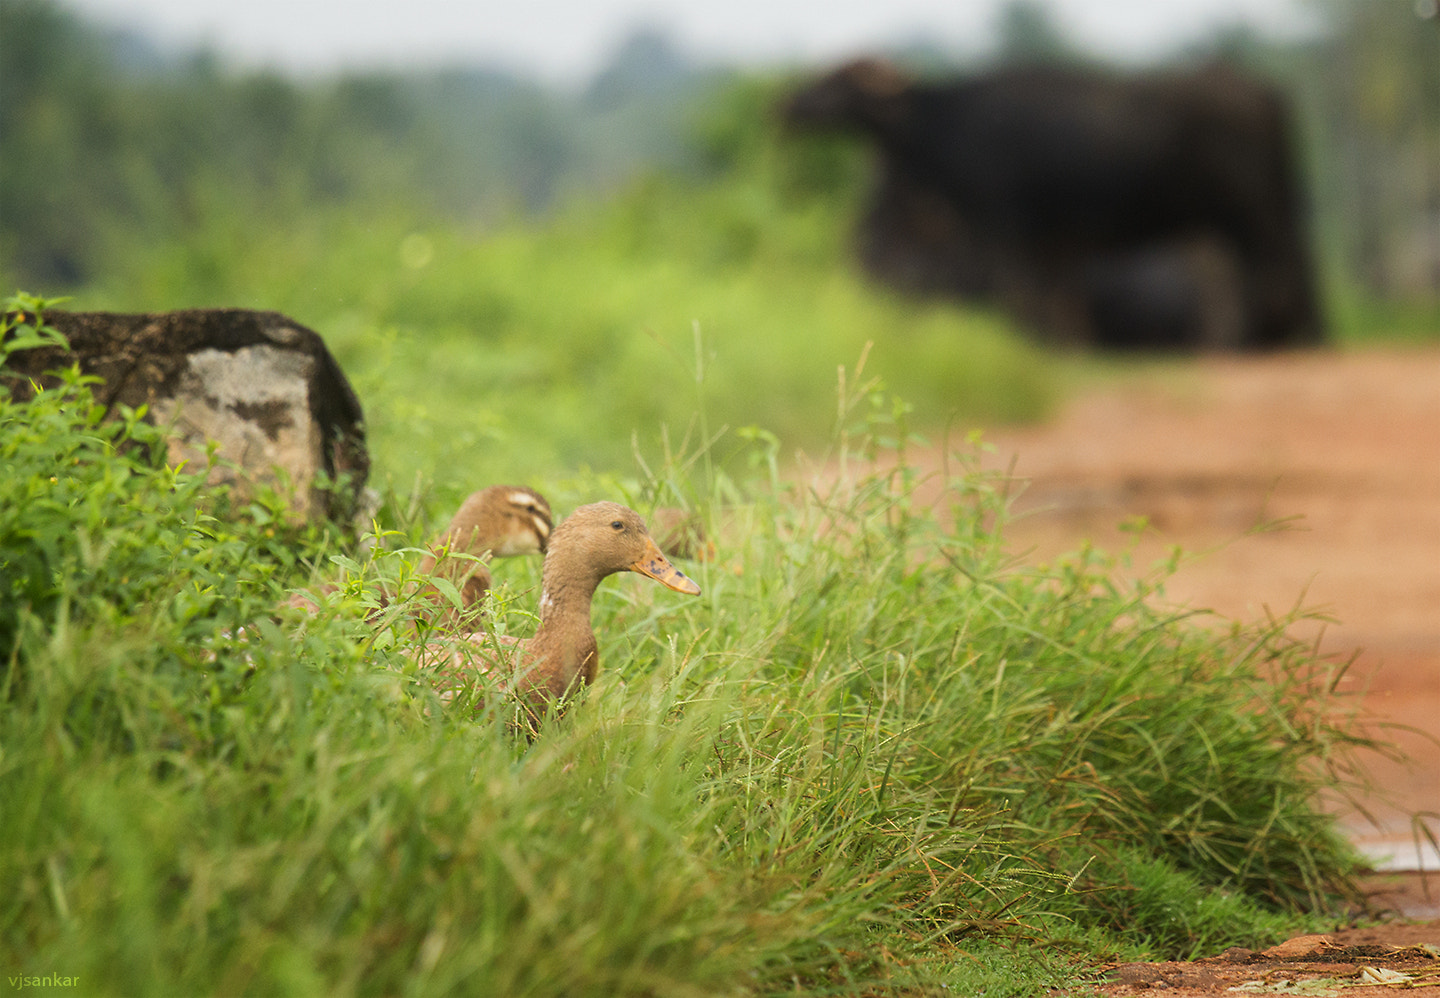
(566,40)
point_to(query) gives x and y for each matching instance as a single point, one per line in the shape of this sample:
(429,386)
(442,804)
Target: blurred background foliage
(647,245)
(110,141)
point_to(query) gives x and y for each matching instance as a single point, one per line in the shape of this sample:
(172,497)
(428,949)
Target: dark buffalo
(1159,210)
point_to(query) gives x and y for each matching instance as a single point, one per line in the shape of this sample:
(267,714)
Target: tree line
(108,142)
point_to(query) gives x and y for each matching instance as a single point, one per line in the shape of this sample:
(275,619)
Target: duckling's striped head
(527,519)
(505,520)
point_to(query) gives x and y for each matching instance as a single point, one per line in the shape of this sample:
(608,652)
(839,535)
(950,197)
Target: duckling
(501,521)
(594,541)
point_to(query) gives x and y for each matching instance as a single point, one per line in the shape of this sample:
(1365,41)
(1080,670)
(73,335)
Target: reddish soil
(1344,447)
(1355,962)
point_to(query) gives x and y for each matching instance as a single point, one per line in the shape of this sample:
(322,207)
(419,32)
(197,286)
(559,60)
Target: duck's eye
(617,525)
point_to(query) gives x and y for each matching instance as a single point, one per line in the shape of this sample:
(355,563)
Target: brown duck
(594,541)
(501,521)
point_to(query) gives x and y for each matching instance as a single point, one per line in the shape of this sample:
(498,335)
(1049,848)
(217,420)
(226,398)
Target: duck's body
(593,542)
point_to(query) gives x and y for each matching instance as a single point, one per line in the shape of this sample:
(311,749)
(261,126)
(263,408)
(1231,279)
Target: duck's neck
(564,639)
(567,585)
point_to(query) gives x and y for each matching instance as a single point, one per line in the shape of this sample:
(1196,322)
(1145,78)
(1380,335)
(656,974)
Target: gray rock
(260,386)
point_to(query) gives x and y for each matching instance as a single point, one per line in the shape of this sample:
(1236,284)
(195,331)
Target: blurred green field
(538,352)
(521,282)
(535,351)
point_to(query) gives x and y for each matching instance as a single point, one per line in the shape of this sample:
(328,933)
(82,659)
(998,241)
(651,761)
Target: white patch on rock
(254,403)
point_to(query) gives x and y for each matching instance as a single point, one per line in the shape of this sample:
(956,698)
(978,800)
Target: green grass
(873,757)
(1360,319)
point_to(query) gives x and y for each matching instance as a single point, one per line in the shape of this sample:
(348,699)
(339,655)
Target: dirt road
(1344,447)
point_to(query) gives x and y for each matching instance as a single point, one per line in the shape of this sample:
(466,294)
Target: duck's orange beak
(654,564)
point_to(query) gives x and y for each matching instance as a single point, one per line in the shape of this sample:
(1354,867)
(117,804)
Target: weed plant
(874,757)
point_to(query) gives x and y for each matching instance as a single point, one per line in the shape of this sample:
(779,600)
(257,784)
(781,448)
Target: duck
(681,534)
(500,521)
(545,670)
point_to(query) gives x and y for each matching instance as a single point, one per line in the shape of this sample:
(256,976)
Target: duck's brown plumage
(594,541)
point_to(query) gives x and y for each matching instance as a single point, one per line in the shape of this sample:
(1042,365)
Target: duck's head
(504,519)
(606,537)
